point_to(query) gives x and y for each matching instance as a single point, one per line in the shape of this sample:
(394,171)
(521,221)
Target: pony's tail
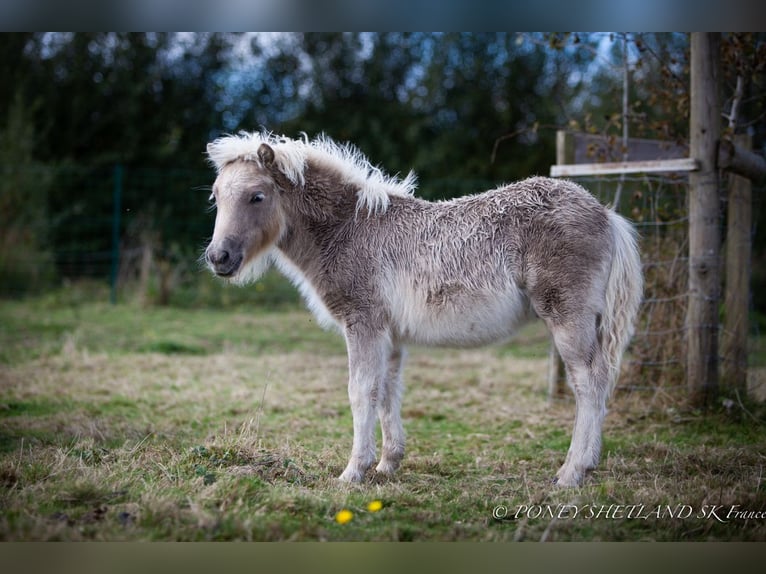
(624,291)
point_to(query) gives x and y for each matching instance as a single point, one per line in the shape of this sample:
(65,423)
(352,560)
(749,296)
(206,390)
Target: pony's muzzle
(224,259)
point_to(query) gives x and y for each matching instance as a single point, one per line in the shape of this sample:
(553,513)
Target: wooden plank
(704,223)
(591,148)
(620,167)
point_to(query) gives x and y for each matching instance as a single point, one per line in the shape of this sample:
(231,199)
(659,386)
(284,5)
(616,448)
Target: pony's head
(249,218)
(254,172)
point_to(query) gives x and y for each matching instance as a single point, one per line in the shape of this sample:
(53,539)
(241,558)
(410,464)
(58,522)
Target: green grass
(30,331)
(130,423)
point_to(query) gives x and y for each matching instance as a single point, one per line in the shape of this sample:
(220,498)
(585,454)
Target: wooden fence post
(737,293)
(704,218)
(565,153)
(116,211)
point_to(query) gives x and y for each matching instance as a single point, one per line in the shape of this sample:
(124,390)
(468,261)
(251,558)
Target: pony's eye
(257,197)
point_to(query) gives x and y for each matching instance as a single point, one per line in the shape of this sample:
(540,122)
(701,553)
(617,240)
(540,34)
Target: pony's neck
(325,197)
(315,215)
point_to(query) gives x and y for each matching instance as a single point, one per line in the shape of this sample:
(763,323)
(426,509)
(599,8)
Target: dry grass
(101,442)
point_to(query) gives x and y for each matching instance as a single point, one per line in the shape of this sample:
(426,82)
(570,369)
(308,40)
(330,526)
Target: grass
(124,423)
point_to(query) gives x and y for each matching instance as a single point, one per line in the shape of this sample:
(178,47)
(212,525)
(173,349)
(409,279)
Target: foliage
(432,102)
(26,264)
(465,111)
(150,102)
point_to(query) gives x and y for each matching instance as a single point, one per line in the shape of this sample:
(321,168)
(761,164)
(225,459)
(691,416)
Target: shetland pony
(388,269)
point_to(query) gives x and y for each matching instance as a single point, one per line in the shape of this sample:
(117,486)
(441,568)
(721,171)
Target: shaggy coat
(388,269)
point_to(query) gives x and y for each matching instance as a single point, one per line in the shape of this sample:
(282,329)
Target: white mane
(291,156)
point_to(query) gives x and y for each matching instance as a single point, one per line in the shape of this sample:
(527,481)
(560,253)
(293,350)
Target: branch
(739,93)
(533,128)
(661,60)
(502,139)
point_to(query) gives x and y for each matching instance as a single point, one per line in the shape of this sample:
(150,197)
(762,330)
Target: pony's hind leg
(587,375)
(368,356)
(389,412)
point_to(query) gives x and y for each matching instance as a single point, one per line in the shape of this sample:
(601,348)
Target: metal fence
(125,225)
(657,205)
(87,222)
(119,224)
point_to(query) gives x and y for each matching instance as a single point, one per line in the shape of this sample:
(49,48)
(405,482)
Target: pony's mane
(291,155)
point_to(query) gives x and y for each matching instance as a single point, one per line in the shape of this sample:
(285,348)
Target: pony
(387,269)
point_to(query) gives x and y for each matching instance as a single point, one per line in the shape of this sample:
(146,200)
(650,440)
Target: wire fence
(657,205)
(143,229)
(139,229)
(73,222)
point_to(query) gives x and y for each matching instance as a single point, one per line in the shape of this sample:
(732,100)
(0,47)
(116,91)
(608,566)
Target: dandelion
(344,516)
(374,506)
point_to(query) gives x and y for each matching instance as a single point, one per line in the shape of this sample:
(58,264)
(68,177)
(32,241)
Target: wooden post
(565,152)
(733,156)
(737,293)
(116,210)
(565,147)
(704,218)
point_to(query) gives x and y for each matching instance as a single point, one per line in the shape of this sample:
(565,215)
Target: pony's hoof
(568,478)
(349,478)
(386,468)
(352,475)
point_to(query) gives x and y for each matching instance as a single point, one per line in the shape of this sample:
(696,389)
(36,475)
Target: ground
(130,423)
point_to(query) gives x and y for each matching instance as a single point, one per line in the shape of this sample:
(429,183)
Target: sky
(357,15)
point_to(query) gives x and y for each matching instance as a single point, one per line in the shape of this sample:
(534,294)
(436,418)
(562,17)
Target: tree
(432,102)
(135,99)
(26,264)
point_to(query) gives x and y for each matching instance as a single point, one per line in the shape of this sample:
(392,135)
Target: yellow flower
(344,516)
(374,506)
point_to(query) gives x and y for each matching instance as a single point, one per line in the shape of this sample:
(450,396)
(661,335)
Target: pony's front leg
(367,361)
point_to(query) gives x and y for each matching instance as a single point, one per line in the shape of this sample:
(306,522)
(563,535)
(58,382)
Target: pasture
(136,424)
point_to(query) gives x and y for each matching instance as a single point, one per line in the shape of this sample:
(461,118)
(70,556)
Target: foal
(387,269)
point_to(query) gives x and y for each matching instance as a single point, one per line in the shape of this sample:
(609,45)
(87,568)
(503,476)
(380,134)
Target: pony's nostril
(223,258)
(218,257)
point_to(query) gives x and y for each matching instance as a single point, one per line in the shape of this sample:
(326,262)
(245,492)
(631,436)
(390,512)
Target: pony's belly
(459,316)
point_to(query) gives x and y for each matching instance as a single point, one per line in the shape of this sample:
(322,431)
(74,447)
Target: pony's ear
(266,155)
